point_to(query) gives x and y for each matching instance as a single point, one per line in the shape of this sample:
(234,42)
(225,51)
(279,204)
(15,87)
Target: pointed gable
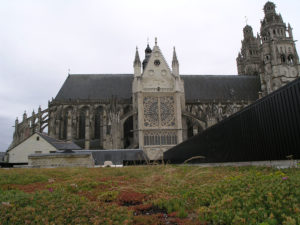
(157,73)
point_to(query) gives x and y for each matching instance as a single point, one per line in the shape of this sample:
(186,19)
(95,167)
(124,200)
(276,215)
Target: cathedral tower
(280,62)
(248,60)
(158,100)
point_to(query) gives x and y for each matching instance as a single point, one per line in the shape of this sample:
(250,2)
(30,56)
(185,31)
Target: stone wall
(61,160)
(97,125)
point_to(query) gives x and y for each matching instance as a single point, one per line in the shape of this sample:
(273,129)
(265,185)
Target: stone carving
(167,116)
(151,112)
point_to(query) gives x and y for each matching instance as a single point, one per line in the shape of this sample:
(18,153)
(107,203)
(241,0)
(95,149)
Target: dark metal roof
(58,144)
(197,87)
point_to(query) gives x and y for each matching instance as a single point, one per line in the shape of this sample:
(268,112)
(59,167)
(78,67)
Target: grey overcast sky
(41,39)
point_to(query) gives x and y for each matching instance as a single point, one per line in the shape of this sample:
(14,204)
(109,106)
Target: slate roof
(96,86)
(221,87)
(197,87)
(59,144)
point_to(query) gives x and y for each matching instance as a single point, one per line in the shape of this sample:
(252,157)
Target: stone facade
(156,108)
(158,97)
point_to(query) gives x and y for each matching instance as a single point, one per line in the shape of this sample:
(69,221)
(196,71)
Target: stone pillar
(101,127)
(69,125)
(39,125)
(116,133)
(50,123)
(178,116)
(104,124)
(74,124)
(32,122)
(184,128)
(92,123)
(77,123)
(57,125)
(87,130)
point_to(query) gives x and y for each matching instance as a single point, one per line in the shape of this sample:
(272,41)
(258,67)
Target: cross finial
(155,41)
(69,70)
(246,20)
(147,40)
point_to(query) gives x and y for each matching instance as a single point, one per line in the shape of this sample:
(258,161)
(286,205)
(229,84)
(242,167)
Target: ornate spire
(175,64)
(175,60)
(137,61)
(148,52)
(24,116)
(290,30)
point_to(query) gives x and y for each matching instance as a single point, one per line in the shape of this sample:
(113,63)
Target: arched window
(65,124)
(98,122)
(283,58)
(82,117)
(291,59)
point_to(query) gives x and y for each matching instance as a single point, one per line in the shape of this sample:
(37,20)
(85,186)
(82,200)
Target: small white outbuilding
(37,143)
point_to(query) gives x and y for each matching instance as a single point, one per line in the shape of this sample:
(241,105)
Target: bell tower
(280,61)
(158,98)
(248,60)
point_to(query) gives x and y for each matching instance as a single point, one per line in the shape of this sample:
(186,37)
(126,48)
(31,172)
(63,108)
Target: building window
(98,122)
(283,59)
(146,140)
(37,138)
(168,139)
(163,140)
(108,129)
(291,60)
(151,140)
(82,118)
(158,138)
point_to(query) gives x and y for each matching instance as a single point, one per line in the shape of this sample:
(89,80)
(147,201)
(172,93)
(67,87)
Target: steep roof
(59,144)
(221,87)
(96,86)
(197,87)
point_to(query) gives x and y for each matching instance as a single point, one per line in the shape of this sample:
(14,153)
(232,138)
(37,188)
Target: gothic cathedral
(156,107)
